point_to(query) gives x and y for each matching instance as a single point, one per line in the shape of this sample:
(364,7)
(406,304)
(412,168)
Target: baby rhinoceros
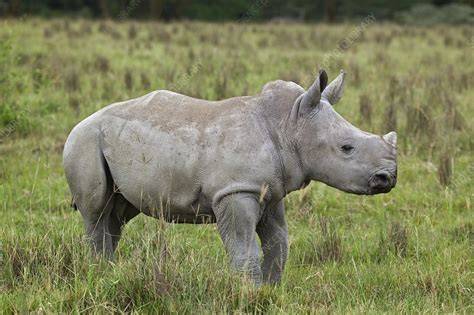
(230,162)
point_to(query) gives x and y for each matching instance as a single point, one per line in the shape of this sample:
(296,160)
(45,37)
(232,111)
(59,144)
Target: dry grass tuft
(128,79)
(17,258)
(419,120)
(428,284)
(398,239)
(102,63)
(132,32)
(330,246)
(365,109)
(47,32)
(85,29)
(394,97)
(145,81)
(221,87)
(74,104)
(463,232)
(72,82)
(66,25)
(161,285)
(445,169)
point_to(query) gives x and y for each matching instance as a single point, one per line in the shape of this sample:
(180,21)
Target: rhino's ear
(335,89)
(312,96)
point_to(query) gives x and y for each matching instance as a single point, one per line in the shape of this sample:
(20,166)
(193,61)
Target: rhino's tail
(73,204)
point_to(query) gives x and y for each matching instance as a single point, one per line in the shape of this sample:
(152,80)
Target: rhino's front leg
(273,234)
(237,216)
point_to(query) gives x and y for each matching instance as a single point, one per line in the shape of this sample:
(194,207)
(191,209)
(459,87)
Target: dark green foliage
(429,14)
(407,11)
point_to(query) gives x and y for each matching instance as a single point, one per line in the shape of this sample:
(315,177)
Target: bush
(428,14)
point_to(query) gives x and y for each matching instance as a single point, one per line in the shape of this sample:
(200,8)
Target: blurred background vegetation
(404,11)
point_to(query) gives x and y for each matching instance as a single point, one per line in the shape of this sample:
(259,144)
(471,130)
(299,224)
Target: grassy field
(407,251)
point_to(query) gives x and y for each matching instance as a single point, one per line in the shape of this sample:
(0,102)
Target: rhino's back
(169,110)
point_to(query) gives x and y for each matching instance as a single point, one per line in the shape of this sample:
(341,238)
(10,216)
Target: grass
(404,252)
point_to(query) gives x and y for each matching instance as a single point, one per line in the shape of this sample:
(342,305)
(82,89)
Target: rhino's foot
(248,268)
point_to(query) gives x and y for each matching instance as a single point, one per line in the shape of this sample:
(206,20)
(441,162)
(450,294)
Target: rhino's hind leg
(121,213)
(100,232)
(104,211)
(105,230)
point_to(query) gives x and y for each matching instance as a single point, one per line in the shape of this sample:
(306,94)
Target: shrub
(428,14)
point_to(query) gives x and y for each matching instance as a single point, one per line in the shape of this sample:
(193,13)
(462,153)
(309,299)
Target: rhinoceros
(229,162)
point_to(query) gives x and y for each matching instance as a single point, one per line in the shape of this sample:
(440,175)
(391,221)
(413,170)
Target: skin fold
(229,162)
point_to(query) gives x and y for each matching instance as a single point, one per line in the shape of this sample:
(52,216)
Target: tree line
(224,10)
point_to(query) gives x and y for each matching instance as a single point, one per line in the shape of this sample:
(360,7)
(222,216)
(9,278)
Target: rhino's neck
(291,165)
(276,107)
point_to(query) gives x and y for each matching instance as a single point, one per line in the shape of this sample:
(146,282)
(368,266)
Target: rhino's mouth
(377,191)
(356,190)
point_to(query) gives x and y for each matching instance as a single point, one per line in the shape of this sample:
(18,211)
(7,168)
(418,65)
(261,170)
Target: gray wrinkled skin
(229,162)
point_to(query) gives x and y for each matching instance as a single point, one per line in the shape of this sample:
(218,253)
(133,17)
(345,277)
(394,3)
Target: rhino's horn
(334,91)
(391,138)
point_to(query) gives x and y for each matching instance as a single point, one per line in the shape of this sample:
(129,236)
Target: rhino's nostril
(383,177)
(381,181)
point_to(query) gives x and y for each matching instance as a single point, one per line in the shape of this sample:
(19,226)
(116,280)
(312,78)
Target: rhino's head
(335,152)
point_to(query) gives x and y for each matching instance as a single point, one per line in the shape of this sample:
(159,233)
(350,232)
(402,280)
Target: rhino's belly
(176,215)
(197,212)
(177,201)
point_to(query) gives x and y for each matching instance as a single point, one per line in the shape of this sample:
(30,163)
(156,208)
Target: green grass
(404,252)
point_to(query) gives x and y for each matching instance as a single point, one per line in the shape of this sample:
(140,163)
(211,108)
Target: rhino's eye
(347,148)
